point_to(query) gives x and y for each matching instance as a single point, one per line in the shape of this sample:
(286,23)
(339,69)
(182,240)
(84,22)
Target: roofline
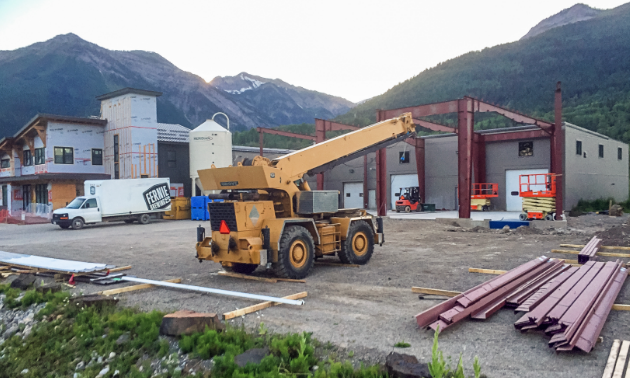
(55,117)
(594,133)
(126,90)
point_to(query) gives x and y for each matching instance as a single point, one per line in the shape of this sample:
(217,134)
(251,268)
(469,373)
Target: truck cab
(82,210)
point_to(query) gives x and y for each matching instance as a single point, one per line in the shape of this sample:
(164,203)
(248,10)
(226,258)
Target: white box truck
(116,200)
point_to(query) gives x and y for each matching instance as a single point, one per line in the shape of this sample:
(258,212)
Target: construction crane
(270,217)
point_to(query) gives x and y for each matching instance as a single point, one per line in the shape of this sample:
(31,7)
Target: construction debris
(589,250)
(260,306)
(17,260)
(134,288)
(570,304)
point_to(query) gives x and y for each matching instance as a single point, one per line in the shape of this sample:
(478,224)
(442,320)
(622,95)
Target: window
(116,148)
(525,148)
(5,163)
(171,161)
(5,199)
(116,153)
(64,155)
(578,147)
(601,150)
(41,193)
(40,156)
(28,158)
(97,156)
(90,204)
(619,153)
(403,157)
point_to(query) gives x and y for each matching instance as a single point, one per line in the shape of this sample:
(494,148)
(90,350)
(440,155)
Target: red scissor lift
(481,194)
(538,191)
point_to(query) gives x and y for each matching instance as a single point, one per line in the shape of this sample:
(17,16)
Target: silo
(210,143)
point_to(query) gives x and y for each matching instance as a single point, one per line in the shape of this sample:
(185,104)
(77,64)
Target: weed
(440,368)
(351,354)
(262,329)
(402,344)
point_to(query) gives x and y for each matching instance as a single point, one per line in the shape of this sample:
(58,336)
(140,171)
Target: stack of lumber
(568,303)
(590,250)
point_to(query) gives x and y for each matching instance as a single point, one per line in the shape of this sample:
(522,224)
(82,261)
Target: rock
(116,374)
(80,366)
(103,372)
(99,360)
(52,287)
(253,356)
(505,229)
(186,322)
(25,371)
(12,330)
(615,211)
(123,339)
(405,366)
(23,281)
(112,355)
(94,300)
(28,319)
(27,331)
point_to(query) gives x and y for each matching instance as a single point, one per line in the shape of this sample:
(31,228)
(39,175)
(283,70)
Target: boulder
(186,322)
(253,356)
(23,281)
(52,287)
(94,300)
(615,211)
(405,366)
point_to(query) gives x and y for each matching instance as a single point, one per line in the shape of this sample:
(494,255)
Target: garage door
(353,195)
(515,203)
(401,181)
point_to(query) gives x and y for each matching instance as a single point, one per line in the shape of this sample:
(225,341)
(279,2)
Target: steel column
(260,142)
(557,140)
(366,192)
(420,164)
(320,136)
(381,175)
(464,155)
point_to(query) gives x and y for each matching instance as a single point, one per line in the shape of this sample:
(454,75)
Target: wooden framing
(260,306)
(255,278)
(135,287)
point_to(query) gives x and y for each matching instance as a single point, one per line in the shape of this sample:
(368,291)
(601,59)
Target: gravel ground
(365,310)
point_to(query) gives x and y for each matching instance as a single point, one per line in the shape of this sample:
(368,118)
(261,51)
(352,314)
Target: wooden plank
(260,306)
(426,290)
(331,263)
(120,269)
(569,251)
(486,271)
(608,247)
(612,358)
(245,276)
(621,307)
(621,360)
(292,280)
(135,287)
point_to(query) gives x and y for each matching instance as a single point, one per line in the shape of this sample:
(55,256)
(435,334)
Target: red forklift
(409,200)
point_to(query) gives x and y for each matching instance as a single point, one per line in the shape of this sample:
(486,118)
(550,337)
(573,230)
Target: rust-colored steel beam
(261,139)
(502,137)
(321,127)
(484,107)
(434,126)
(420,111)
(465,131)
(334,126)
(479,158)
(284,133)
(557,141)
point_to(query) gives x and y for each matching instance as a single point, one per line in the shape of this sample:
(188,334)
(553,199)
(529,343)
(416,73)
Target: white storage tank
(210,143)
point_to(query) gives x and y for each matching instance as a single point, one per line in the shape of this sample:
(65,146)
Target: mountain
(578,12)
(64,75)
(589,57)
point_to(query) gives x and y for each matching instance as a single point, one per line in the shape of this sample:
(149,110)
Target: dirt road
(366,310)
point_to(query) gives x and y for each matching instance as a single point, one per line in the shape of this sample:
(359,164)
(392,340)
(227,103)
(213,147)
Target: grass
(402,344)
(68,334)
(584,206)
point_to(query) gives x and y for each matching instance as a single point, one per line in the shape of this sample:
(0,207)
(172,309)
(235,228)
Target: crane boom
(345,147)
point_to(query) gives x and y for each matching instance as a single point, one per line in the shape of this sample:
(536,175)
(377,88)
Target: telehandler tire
(296,254)
(241,268)
(359,245)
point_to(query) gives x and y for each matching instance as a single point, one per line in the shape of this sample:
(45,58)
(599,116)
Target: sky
(353,49)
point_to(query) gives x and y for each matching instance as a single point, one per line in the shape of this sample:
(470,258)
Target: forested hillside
(591,58)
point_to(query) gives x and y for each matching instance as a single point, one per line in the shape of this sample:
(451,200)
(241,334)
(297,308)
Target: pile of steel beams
(588,252)
(570,304)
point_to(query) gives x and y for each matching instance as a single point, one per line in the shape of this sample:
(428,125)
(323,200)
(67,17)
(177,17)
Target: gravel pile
(17,321)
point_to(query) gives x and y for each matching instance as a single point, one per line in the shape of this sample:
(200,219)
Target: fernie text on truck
(157,197)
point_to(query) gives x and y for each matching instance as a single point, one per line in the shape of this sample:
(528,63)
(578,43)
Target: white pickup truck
(116,200)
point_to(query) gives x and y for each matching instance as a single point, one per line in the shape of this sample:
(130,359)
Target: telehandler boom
(270,216)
